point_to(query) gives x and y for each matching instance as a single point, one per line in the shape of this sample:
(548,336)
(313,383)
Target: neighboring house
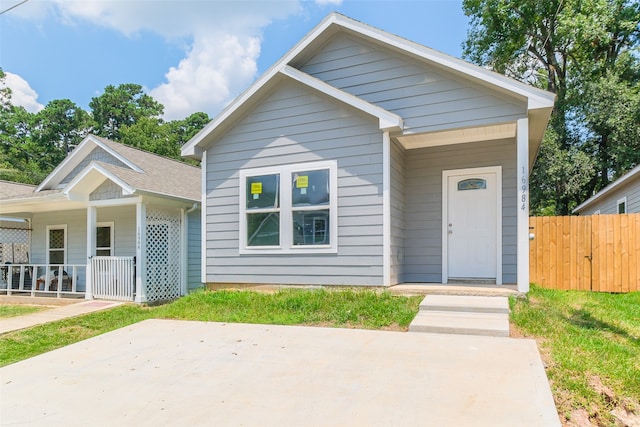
(361,158)
(621,196)
(110,221)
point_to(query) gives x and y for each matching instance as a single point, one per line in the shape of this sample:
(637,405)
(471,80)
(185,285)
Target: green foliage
(122,106)
(33,144)
(587,53)
(586,338)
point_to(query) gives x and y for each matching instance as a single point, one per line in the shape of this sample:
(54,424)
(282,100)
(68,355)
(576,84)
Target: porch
(104,277)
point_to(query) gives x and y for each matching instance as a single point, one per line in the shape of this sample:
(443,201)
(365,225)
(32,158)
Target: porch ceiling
(458,136)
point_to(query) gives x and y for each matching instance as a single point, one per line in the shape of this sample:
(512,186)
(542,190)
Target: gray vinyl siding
(107,190)
(295,125)
(97,155)
(423,204)
(76,222)
(124,227)
(609,203)
(123,217)
(397,211)
(194,250)
(426,97)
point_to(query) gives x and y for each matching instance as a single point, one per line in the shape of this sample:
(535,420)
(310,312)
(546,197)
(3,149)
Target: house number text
(523,188)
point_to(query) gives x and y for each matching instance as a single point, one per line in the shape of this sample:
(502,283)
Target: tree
(583,51)
(162,138)
(59,127)
(122,106)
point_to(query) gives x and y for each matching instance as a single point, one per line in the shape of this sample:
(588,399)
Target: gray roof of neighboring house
(161,175)
(9,190)
(627,177)
(156,174)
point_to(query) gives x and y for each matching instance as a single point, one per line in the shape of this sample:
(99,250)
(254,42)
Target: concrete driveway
(166,372)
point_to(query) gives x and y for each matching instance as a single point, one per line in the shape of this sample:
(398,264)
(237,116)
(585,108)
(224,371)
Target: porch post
(523,205)
(91,247)
(183,250)
(141,244)
(386,209)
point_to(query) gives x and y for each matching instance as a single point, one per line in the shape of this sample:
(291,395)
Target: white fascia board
(76,156)
(193,149)
(615,184)
(126,188)
(387,120)
(63,165)
(537,98)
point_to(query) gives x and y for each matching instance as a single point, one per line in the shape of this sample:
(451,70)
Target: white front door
(472,224)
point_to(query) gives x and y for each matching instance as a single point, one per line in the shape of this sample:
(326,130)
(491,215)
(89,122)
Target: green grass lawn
(18,310)
(591,344)
(347,309)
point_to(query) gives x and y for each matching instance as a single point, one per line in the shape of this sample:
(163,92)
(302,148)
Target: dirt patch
(579,418)
(626,418)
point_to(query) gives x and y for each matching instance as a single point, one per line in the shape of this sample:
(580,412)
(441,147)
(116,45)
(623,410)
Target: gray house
(110,221)
(362,158)
(619,197)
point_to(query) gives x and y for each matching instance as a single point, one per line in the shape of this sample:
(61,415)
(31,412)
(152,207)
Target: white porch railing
(113,278)
(43,279)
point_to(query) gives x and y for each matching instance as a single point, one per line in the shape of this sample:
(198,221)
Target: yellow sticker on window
(302,181)
(256,188)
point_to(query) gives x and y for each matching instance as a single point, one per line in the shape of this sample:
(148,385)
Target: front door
(472,226)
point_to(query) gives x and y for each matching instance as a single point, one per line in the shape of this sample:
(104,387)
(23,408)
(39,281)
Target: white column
(141,244)
(91,249)
(386,209)
(523,205)
(183,251)
(203,220)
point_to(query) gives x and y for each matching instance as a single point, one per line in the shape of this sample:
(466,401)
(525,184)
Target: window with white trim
(56,244)
(104,239)
(622,205)
(289,209)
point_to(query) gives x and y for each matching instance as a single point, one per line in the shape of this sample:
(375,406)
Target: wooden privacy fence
(597,252)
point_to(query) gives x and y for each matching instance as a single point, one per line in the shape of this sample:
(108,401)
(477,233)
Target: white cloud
(223,43)
(213,71)
(331,2)
(21,93)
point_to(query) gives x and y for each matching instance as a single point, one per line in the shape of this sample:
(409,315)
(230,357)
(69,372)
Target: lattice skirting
(163,254)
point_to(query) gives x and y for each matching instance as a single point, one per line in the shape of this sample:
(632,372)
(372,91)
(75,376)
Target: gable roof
(139,172)
(624,179)
(537,99)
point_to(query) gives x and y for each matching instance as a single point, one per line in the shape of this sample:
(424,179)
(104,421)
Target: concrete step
(466,323)
(465,303)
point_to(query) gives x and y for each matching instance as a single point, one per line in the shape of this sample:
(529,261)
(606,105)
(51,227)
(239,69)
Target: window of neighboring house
(104,239)
(622,205)
(56,244)
(291,208)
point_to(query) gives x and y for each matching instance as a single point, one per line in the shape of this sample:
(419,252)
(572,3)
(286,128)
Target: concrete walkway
(52,314)
(168,372)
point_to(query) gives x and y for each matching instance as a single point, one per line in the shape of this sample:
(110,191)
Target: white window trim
(286,212)
(64,250)
(619,202)
(109,224)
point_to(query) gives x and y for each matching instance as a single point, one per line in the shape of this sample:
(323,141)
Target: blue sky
(191,55)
